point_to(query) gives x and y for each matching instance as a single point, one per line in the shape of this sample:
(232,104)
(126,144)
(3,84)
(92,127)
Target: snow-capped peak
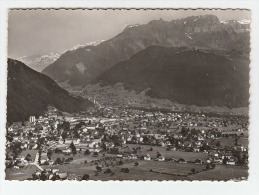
(244,21)
(92,43)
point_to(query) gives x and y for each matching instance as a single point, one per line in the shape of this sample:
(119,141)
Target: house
(133,156)
(208,161)
(67,151)
(55,170)
(147,157)
(60,141)
(62,176)
(219,161)
(231,162)
(161,158)
(149,114)
(70,140)
(90,127)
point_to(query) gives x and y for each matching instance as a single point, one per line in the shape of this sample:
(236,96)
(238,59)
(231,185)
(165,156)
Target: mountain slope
(83,65)
(39,62)
(183,75)
(29,93)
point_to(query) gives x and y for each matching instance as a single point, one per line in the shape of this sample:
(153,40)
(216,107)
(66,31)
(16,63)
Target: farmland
(222,172)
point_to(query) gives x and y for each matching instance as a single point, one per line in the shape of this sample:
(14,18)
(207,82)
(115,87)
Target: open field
(238,133)
(160,170)
(31,152)
(189,156)
(222,172)
(230,141)
(20,174)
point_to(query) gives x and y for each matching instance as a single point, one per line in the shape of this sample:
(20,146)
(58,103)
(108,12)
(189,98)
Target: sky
(40,32)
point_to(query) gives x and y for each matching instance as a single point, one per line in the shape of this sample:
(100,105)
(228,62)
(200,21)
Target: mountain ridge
(83,65)
(184,75)
(30,93)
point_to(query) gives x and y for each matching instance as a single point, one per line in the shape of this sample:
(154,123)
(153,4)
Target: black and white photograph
(128,95)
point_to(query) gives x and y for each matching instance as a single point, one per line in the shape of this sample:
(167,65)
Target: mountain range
(39,62)
(184,75)
(30,93)
(85,64)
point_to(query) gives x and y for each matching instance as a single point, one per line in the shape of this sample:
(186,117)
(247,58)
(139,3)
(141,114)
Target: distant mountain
(29,93)
(239,26)
(83,65)
(91,43)
(184,75)
(39,62)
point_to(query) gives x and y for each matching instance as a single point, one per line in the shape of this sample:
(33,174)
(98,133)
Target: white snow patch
(224,22)
(244,21)
(92,43)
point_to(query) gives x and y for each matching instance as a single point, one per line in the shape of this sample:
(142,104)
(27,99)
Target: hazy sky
(44,31)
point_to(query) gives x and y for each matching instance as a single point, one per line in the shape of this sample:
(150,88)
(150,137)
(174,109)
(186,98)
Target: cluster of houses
(49,174)
(114,127)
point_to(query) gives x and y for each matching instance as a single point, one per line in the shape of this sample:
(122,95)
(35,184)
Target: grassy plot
(150,170)
(231,141)
(222,172)
(153,170)
(20,174)
(145,170)
(31,152)
(189,156)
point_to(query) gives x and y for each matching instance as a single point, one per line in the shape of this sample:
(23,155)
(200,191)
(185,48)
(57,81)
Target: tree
(66,126)
(120,162)
(64,135)
(95,154)
(184,131)
(76,134)
(73,148)
(87,152)
(58,161)
(158,154)
(225,160)
(98,168)
(39,156)
(218,144)
(236,141)
(30,134)
(57,150)
(85,177)
(125,170)
(237,155)
(244,158)
(107,171)
(204,147)
(49,154)
(28,157)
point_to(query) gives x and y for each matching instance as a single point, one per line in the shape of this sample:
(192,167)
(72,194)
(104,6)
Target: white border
(116,187)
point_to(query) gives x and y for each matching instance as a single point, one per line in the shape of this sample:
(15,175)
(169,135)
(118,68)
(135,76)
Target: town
(125,143)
